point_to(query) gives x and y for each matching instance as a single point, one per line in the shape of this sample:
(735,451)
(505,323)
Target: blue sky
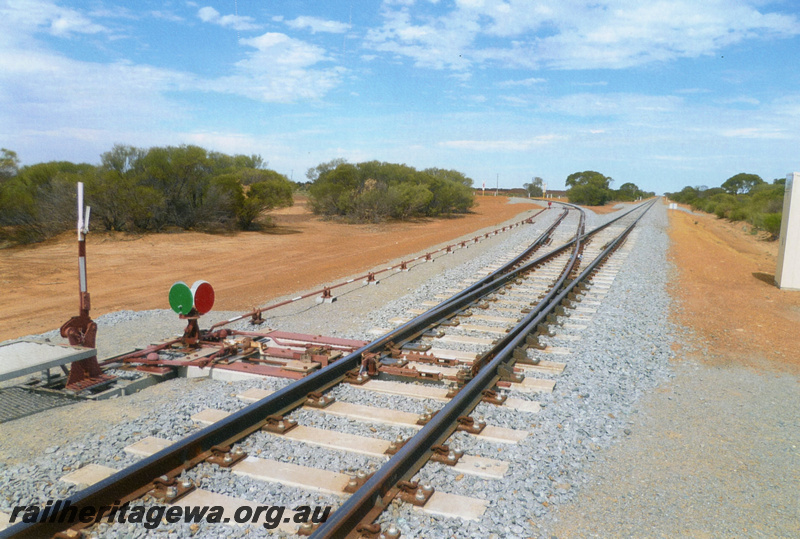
(663,93)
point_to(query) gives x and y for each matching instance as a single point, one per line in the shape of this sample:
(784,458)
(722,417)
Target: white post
(83,228)
(80,211)
(787,273)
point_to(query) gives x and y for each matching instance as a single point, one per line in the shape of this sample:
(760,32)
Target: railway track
(490,329)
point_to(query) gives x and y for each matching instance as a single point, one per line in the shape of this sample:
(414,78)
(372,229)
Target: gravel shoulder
(715,450)
(667,422)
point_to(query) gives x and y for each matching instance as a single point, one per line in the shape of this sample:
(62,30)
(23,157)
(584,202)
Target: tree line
(136,189)
(374,191)
(591,188)
(742,197)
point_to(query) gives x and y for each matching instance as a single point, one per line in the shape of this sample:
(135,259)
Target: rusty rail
(370,276)
(363,506)
(134,481)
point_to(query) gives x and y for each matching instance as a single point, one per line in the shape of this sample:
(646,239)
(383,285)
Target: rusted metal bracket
(444,455)
(532,341)
(430,359)
(507,374)
(427,416)
(277,424)
(355,377)
(82,331)
(453,391)
(393,351)
(307,528)
(356,481)
(544,329)
(369,363)
(468,424)
(223,457)
(256,319)
(416,347)
(493,397)
(368,531)
(169,489)
(396,445)
(411,372)
(316,399)
(191,333)
(521,356)
(411,492)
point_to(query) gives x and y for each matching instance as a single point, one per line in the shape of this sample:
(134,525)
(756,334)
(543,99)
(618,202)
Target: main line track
(555,280)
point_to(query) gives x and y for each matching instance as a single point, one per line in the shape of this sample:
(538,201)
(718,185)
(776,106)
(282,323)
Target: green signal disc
(180,298)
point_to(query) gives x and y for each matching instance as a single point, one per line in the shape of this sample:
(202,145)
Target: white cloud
(525,82)
(315,24)
(755,133)
(502,145)
(586,104)
(568,35)
(237,22)
(280,69)
(21,18)
(438,43)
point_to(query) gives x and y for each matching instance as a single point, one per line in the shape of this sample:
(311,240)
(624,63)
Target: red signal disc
(203,294)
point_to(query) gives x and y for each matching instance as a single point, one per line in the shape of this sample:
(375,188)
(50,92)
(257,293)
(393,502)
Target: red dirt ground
(40,282)
(726,287)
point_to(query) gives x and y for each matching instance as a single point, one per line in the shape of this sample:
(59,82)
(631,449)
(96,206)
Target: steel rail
(376,492)
(369,275)
(133,481)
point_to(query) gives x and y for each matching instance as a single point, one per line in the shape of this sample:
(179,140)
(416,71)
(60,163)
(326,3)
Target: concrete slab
(293,475)
(209,416)
(461,339)
(372,447)
(408,390)
(371,413)
(24,357)
(459,355)
(147,446)
(481,467)
(89,475)
(534,385)
(483,329)
(454,506)
(254,394)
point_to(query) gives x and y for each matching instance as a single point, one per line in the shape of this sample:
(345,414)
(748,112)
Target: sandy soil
(247,269)
(727,295)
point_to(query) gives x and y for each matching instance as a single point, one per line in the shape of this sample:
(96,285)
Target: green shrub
(771,222)
(374,191)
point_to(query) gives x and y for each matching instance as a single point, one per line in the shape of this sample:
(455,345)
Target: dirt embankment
(727,294)
(40,282)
